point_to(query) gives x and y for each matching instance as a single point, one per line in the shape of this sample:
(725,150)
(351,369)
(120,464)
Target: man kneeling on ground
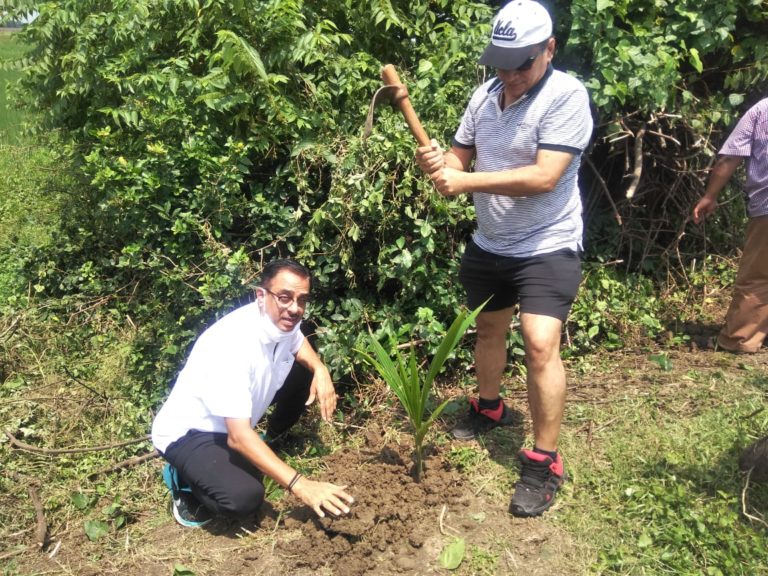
(238,367)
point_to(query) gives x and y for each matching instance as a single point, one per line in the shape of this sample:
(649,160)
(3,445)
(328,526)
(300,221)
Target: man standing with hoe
(525,130)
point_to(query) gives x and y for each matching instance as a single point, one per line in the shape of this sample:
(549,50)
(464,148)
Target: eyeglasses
(284,301)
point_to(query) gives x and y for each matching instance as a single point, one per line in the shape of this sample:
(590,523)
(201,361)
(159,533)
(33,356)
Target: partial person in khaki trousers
(746,322)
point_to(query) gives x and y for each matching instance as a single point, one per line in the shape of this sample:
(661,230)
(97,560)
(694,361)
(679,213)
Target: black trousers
(223,480)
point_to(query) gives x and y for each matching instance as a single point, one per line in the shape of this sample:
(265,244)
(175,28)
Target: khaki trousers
(746,322)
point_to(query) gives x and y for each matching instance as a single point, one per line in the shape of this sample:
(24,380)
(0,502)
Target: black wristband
(293,481)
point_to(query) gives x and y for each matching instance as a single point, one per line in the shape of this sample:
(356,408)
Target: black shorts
(544,284)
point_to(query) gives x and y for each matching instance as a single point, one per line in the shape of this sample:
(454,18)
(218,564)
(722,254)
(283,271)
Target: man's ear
(260,292)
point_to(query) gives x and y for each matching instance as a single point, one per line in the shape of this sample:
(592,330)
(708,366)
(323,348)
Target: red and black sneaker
(540,477)
(479,421)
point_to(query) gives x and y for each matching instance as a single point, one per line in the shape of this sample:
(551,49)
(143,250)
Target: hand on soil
(323,496)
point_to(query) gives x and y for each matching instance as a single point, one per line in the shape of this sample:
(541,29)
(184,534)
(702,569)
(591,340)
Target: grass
(31,186)
(656,487)
(11,118)
(651,453)
(32,182)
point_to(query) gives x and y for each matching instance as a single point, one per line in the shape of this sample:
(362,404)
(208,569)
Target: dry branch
(134,461)
(41,532)
(604,188)
(638,171)
(56,451)
(41,525)
(744,505)
(8,332)
(13,553)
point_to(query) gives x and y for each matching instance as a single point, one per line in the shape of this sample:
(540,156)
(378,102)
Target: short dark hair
(271,269)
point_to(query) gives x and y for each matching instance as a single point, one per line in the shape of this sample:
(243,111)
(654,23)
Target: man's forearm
(243,439)
(517,182)
(721,173)
(453,161)
(307,357)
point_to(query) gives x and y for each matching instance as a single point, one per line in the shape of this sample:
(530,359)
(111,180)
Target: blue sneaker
(187,510)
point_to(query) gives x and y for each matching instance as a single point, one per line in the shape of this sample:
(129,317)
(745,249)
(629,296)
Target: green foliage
(11,119)
(112,517)
(668,80)
(613,308)
(662,361)
(212,136)
(208,136)
(33,189)
(404,377)
(660,55)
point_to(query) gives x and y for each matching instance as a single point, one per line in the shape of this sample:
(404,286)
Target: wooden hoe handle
(390,77)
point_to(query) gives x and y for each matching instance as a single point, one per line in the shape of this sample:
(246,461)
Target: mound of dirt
(394,519)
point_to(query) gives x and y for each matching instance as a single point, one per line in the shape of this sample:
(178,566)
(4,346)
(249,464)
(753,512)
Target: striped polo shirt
(553,115)
(750,139)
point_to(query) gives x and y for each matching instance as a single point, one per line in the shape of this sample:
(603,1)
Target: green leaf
(96,529)
(425,66)
(243,54)
(80,501)
(453,554)
(693,58)
(644,541)
(180,570)
(451,339)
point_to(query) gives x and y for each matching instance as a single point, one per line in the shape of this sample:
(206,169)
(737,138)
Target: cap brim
(504,58)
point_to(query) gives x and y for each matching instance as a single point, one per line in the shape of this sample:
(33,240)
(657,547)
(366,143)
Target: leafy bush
(613,309)
(668,80)
(212,135)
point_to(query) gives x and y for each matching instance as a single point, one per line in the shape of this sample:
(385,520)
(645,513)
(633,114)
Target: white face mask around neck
(273,334)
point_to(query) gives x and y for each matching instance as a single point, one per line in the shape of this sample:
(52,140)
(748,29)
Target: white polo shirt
(553,115)
(234,371)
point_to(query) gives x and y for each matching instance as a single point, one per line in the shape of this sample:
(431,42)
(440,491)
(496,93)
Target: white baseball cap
(517,27)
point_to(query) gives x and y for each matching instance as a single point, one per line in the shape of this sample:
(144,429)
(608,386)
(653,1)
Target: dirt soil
(396,527)
(399,526)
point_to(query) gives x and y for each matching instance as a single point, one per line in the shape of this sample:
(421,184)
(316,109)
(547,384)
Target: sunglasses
(527,64)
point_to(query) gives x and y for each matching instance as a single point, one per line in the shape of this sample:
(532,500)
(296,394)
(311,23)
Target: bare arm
(318,495)
(530,180)
(450,172)
(322,384)
(721,173)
